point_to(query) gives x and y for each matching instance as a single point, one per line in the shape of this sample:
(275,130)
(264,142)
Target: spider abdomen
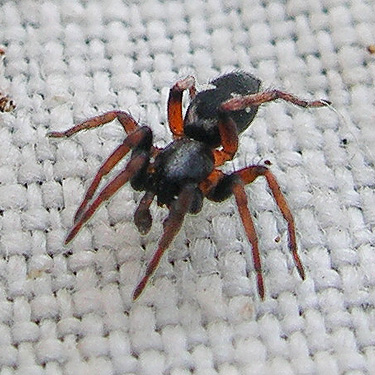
(202,114)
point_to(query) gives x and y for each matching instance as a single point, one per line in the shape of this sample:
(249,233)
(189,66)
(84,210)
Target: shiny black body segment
(202,114)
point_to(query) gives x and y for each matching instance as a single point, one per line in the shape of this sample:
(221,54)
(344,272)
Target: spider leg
(219,186)
(242,102)
(229,138)
(141,138)
(172,225)
(135,164)
(210,183)
(248,175)
(248,224)
(175,117)
(228,129)
(142,216)
(127,122)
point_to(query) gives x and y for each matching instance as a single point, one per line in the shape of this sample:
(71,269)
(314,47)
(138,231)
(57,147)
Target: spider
(183,173)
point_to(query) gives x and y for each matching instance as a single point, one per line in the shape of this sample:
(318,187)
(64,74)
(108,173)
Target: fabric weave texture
(68,309)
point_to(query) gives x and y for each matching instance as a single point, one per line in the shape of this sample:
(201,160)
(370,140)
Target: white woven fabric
(68,310)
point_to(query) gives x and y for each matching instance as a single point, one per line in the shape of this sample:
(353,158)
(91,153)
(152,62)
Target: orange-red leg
(142,135)
(219,186)
(175,117)
(229,139)
(248,224)
(241,102)
(248,175)
(172,226)
(134,165)
(228,129)
(127,122)
(211,182)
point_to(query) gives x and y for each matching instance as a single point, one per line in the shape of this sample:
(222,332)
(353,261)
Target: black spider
(184,172)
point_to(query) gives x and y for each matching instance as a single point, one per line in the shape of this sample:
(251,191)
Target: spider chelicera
(184,172)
